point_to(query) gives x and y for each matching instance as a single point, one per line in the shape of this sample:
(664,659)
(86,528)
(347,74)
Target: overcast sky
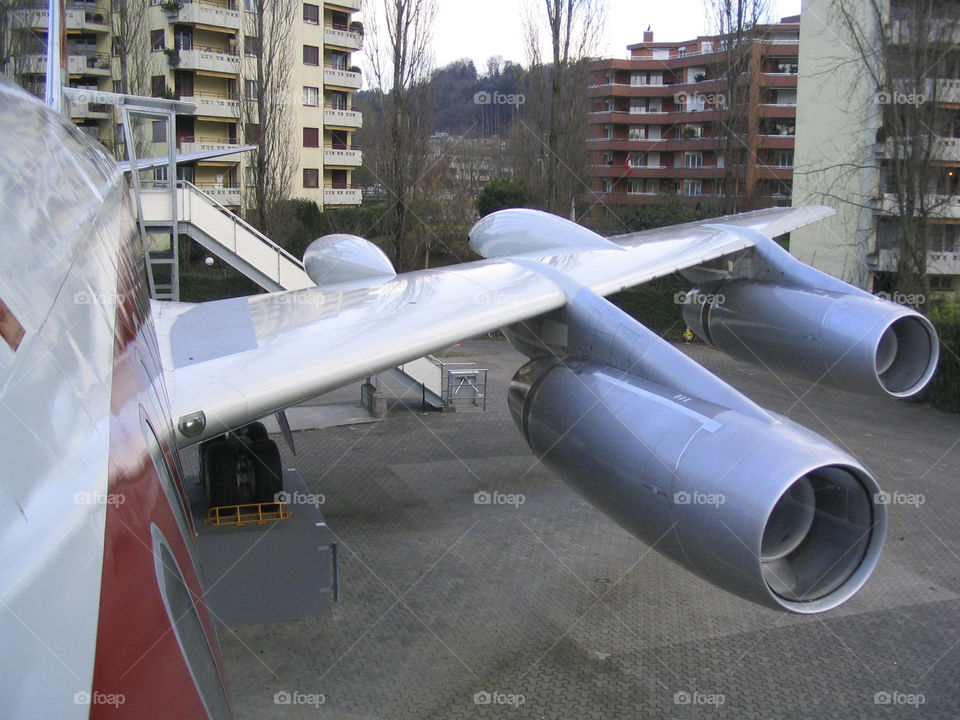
(480,28)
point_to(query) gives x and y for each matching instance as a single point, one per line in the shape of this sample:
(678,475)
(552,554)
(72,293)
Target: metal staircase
(226,235)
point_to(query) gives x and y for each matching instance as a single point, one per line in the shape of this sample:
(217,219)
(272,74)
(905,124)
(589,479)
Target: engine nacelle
(757,505)
(852,341)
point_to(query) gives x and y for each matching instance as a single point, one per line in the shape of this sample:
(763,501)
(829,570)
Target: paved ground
(548,610)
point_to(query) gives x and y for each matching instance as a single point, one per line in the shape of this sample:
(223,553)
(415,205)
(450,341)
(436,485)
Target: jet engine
(852,341)
(754,503)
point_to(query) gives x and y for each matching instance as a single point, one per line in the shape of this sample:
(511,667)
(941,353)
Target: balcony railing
(341,77)
(342,36)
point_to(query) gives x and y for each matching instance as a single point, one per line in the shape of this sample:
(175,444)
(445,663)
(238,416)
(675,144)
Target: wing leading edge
(240,359)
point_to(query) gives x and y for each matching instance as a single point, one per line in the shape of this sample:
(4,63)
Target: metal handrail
(281,253)
(235,514)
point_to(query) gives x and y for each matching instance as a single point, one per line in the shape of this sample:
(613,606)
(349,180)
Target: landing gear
(241,467)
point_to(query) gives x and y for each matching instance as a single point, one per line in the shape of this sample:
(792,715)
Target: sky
(480,28)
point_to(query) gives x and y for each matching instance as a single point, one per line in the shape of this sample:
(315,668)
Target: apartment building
(845,152)
(658,121)
(204,51)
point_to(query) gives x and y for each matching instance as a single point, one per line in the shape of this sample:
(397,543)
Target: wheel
(256,431)
(221,472)
(268,472)
(202,465)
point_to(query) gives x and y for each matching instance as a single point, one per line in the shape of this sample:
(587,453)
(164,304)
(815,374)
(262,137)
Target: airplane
(102,610)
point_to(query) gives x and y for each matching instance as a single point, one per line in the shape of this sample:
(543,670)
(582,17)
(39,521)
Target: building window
(158,40)
(251,45)
(637,132)
(251,133)
(311,14)
(311,177)
(338,100)
(608,132)
(250,5)
(311,55)
(608,159)
(692,187)
(635,187)
(693,160)
(785,158)
(311,96)
(158,83)
(608,185)
(117,86)
(251,89)
(338,60)
(941,282)
(943,238)
(311,137)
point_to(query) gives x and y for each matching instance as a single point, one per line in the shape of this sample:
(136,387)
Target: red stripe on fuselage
(138,656)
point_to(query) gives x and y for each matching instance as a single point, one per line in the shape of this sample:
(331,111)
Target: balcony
(209,12)
(215,104)
(938,263)
(342,36)
(90,111)
(199,57)
(341,77)
(92,63)
(944,150)
(346,4)
(342,117)
(948,90)
(193,144)
(945,207)
(345,195)
(342,157)
(78,17)
(228,195)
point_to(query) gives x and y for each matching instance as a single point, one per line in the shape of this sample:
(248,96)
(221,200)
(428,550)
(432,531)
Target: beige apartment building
(843,158)
(204,51)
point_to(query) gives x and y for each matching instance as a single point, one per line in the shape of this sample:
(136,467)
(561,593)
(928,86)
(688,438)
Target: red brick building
(658,121)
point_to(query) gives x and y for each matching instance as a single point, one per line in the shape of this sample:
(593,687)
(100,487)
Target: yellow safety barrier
(245,514)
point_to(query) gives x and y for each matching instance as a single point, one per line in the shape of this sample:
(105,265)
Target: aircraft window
(188,629)
(166,479)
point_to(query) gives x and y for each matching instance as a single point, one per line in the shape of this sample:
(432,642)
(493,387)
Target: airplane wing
(240,359)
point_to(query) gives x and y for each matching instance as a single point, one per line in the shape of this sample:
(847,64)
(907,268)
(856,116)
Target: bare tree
(268,104)
(550,138)
(400,61)
(906,49)
(130,44)
(737,25)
